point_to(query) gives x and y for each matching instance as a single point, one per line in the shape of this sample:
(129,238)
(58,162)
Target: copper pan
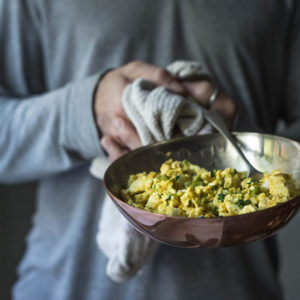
(265,152)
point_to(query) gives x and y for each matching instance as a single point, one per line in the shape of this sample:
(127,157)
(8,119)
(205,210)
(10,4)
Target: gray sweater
(51,56)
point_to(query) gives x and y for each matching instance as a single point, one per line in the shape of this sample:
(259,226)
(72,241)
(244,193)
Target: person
(55,106)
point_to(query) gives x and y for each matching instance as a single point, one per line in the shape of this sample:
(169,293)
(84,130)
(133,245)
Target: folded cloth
(157,114)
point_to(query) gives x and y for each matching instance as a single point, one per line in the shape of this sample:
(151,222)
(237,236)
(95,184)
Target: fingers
(227,108)
(200,91)
(157,75)
(112,147)
(126,134)
(125,138)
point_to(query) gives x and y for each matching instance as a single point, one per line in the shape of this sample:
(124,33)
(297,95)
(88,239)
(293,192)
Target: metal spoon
(216,120)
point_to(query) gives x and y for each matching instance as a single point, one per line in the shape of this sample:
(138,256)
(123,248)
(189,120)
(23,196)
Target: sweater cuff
(82,133)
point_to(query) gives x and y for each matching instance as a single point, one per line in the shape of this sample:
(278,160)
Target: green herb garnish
(256,190)
(215,211)
(241,203)
(197,180)
(178,177)
(221,197)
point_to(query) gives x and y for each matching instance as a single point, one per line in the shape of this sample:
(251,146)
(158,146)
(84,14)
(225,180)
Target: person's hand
(118,134)
(201,92)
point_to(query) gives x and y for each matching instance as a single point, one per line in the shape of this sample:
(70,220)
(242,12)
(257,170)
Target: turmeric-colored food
(184,189)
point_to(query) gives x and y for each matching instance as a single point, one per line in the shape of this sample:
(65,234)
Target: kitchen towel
(157,113)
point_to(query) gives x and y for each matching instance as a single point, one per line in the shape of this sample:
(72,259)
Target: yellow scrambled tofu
(184,189)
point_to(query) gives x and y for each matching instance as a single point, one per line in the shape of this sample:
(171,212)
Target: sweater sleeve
(291,98)
(41,133)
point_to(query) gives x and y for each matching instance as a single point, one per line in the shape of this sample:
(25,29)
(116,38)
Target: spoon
(216,120)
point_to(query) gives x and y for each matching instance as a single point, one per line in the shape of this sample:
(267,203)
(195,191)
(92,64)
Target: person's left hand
(200,91)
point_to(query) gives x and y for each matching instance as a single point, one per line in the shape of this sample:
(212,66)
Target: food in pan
(184,189)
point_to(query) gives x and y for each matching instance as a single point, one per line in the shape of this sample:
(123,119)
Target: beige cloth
(155,112)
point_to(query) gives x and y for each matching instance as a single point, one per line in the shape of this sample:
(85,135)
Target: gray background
(17,205)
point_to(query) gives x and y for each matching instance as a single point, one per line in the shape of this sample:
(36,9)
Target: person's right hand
(118,134)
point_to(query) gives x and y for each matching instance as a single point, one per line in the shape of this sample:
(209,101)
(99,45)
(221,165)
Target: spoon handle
(216,120)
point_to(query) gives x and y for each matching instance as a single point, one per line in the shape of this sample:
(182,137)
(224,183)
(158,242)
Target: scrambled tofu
(184,189)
